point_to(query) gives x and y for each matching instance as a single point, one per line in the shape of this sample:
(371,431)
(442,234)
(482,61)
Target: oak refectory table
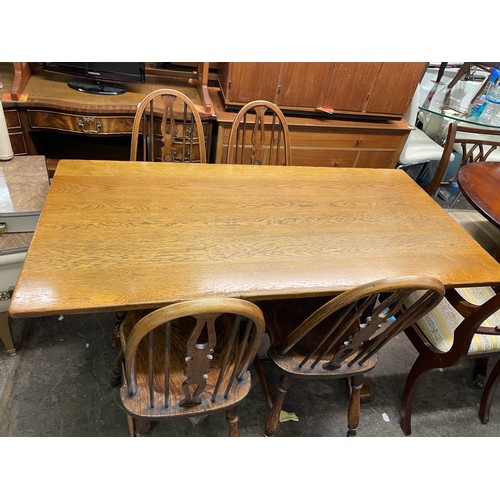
(116,236)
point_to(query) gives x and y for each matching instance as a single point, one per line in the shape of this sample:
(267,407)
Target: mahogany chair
(466,324)
(167,127)
(342,337)
(473,143)
(187,360)
(259,136)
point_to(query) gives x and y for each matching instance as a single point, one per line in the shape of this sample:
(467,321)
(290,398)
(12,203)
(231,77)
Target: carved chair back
(167,127)
(342,337)
(259,136)
(474,144)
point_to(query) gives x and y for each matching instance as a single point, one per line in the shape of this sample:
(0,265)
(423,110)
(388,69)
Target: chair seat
(439,325)
(150,400)
(481,229)
(419,148)
(291,364)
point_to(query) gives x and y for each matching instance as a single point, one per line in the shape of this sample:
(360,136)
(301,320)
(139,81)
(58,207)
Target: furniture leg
(232,420)
(419,368)
(116,375)
(488,392)
(257,364)
(115,341)
(273,417)
(5,333)
(479,373)
(142,427)
(354,405)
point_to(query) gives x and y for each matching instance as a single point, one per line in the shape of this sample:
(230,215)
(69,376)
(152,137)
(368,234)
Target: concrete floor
(58,385)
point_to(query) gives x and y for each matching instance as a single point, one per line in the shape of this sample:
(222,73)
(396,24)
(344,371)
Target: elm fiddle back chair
(187,360)
(465,326)
(171,129)
(259,136)
(341,338)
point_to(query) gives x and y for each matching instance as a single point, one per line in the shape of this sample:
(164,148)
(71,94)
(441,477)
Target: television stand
(96,88)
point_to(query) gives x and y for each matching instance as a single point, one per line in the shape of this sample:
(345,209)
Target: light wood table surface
(123,235)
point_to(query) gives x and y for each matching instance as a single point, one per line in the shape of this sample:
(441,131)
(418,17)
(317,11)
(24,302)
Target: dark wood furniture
(117,236)
(327,142)
(448,335)
(188,360)
(480,184)
(160,134)
(474,144)
(23,187)
(366,89)
(259,136)
(44,116)
(313,339)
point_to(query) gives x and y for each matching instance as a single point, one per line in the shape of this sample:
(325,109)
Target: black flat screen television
(99,77)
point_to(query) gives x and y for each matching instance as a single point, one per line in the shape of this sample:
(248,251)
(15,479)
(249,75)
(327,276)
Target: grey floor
(58,385)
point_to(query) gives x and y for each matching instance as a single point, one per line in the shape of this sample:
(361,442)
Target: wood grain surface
(125,235)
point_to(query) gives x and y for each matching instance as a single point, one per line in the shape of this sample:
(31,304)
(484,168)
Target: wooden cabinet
(328,142)
(368,89)
(57,122)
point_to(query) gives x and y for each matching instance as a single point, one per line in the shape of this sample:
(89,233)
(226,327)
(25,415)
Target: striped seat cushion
(439,325)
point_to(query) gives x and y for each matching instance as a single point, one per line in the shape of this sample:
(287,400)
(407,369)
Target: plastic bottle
(492,101)
(480,103)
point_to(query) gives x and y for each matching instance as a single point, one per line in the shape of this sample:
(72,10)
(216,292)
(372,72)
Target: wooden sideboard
(327,142)
(50,119)
(342,89)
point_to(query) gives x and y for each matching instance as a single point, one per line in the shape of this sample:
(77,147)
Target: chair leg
(488,393)
(479,373)
(141,427)
(273,417)
(257,364)
(5,334)
(419,368)
(116,375)
(232,420)
(354,411)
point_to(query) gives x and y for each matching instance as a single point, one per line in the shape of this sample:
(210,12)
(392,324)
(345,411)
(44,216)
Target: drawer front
(16,135)
(315,157)
(12,118)
(377,159)
(329,147)
(333,139)
(18,223)
(78,123)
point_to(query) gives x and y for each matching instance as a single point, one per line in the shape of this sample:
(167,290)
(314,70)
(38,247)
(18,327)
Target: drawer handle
(88,121)
(3,227)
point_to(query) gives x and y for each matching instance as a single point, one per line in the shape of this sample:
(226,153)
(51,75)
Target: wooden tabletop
(480,184)
(123,235)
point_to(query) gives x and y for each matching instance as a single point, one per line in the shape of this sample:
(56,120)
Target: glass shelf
(454,104)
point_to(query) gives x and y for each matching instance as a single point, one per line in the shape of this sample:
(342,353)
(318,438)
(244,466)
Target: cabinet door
(396,84)
(250,81)
(350,86)
(303,84)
